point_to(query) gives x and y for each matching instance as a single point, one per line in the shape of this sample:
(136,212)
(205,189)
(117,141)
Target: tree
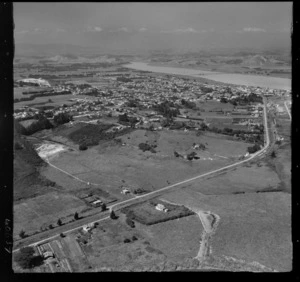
(76,216)
(62,235)
(273,154)
(59,222)
(50,226)
(113,215)
(62,118)
(22,234)
(26,258)
(103,207)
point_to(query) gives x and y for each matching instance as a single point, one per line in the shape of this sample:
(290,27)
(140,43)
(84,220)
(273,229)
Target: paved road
(131,200)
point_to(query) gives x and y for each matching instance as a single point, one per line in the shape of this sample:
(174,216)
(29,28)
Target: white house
(161,207)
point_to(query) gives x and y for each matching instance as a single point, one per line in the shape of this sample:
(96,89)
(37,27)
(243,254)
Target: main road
(151,194)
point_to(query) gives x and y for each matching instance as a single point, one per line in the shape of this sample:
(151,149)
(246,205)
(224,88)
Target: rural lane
(252,156)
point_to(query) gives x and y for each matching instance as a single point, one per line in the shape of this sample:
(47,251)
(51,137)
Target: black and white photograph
(152,137)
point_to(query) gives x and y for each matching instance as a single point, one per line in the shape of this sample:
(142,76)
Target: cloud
(93,29)
(60,30)
(21,31)
(253,29)
(185,30)
(123,29)
(142,29)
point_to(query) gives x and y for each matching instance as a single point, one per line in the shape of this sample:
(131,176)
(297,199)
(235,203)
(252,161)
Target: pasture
(253,227)
(112,165)
(43,210)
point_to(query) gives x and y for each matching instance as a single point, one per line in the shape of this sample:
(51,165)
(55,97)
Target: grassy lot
(282,165)
(241,180)
(177,238)
(146,213)
(106,247)
(253,227)
(57,100)
(44,210)
(114,165)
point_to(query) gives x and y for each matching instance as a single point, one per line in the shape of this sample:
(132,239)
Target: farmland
(114,165)
(57,101)
(249,230)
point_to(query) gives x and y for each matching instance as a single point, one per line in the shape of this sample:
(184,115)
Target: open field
(178,238)
(281,164)
(44,210)
(112,165)
(245,179)
(147,214)
(252,227)
(106,247)
(57,100)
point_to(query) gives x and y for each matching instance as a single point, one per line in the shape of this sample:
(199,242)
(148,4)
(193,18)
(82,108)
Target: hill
(27,180)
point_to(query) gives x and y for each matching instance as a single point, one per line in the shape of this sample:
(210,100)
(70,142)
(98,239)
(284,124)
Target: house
(125,191)
(161,207)
(97,203)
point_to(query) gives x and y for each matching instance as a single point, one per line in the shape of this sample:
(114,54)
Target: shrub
(22,234)
(76,216)
(130,222)
(82,147)
(59,222)
(126,240)
(113,215)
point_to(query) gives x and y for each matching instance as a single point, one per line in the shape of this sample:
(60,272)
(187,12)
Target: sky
(156,25)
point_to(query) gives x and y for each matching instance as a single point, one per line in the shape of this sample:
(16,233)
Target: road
(131,200)
(287,109)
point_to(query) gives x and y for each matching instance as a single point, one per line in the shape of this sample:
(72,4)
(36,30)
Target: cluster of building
(144,91)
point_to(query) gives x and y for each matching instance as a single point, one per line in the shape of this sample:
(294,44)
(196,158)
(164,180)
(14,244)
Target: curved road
(258,153)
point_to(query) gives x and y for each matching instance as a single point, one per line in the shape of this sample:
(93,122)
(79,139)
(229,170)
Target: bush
(253,149)
(126,240)
(59,222)
(62,118)
(82,147)
(130,222)
(22,234)
(113,215)
(76,216)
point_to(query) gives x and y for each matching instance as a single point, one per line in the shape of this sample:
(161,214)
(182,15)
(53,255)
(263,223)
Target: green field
(253,227)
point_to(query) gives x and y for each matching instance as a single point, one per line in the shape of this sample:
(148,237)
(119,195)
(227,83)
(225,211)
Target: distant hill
(76,59)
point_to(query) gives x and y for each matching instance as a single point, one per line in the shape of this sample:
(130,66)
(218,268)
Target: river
(231,78)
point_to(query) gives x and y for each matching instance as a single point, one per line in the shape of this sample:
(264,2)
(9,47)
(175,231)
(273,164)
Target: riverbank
(230,78)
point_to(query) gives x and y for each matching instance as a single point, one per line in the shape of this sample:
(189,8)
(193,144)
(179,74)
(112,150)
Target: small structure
(125,191)
(97,203)
(161,207)
(48,255)
(88,227)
